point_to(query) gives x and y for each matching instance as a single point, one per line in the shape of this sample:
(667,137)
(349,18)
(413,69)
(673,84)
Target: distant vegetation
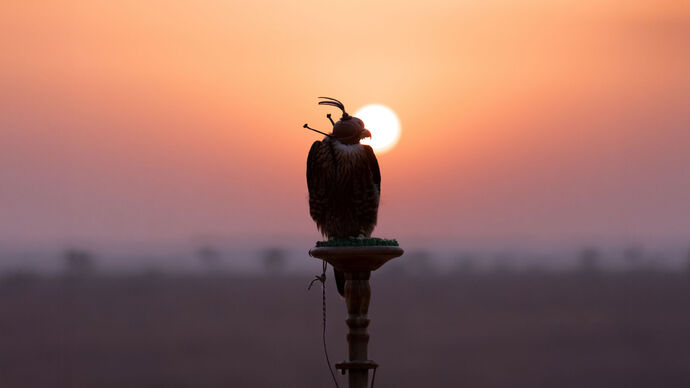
(274,260)
(78,263)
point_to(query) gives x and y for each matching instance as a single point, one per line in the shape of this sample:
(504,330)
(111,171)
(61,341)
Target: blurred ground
(473,329)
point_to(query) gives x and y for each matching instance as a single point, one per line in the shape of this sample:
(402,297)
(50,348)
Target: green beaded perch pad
(358,242)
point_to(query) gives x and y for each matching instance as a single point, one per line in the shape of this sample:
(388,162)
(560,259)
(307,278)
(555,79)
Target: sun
(383,124)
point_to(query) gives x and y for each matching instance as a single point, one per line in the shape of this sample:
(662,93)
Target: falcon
(344,182)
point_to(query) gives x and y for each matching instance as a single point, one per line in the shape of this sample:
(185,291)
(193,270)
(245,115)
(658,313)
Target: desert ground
(461,329)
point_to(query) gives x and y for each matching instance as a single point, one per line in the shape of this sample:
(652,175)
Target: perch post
(357,262)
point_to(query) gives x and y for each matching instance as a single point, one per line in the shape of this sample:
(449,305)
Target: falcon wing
(320,164)
(373,166)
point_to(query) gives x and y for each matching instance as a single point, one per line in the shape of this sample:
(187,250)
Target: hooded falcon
(344,182)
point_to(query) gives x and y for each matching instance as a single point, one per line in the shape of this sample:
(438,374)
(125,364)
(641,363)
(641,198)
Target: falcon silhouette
(344,182)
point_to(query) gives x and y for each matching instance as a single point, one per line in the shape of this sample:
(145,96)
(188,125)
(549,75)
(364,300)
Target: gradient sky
(158,121)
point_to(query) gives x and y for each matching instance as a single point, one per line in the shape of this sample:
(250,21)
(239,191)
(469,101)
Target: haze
(539,122)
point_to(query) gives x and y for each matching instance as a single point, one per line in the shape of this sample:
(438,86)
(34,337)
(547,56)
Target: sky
(533,122)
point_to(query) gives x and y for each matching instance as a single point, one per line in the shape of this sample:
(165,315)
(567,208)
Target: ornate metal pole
(357,262)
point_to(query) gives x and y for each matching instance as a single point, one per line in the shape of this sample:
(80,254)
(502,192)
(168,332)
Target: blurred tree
(465,264)
(589,260)
(504,262)
(78,263)
(19,276)
(274,260)
(209,257)
(633,256)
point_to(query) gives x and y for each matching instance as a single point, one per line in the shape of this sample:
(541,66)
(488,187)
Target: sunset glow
(185,201)
(521,121)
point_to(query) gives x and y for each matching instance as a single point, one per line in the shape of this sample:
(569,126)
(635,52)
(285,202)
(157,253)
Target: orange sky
(162,120)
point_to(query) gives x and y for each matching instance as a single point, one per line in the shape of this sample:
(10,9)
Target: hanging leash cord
(322,279)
